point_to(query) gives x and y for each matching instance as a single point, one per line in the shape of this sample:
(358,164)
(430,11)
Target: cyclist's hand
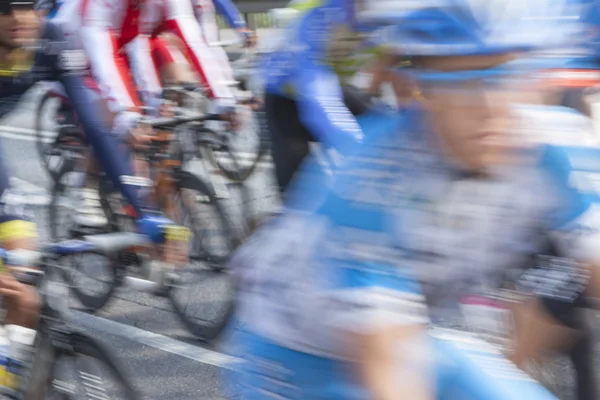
(232,118)
(23,300)
(167,109)
(255,103)
(141,136)
(249,36)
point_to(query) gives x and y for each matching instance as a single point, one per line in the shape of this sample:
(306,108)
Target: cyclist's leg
(536,332)
(289,138)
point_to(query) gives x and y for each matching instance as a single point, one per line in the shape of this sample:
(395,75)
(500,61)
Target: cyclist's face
(472,118)
(18,23)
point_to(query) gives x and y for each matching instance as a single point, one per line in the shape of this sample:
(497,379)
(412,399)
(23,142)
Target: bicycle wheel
(214,234)
(87,372)
(236,168)
(91,276)
(202,295)
(48,148)
(62,203)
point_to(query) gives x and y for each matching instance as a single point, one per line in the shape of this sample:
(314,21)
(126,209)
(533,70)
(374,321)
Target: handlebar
(172,122)
(183,88)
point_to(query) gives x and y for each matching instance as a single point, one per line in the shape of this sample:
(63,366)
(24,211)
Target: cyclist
(437,201)
(25,63)
(307,81)
(107,32)
(103,30)
(194,25)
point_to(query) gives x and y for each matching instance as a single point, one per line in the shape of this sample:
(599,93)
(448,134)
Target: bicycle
(58,341)
(226,159)
(181,195)
(216,160)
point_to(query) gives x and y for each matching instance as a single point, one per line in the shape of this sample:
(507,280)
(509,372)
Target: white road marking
(155,340)
(29,135)
(24,134)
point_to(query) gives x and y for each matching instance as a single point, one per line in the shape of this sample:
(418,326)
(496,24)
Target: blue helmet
(583,51)
(474,27)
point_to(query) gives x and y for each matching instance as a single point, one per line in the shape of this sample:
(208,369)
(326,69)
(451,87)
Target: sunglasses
(8,7)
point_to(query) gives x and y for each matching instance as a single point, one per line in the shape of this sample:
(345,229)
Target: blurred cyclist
(309,96)
(337,293)
(24,63)
(194,26)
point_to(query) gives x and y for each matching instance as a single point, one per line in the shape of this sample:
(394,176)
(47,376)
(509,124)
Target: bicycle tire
(41,146)
(86,346)
(235,180)
(91,303)
(202,329)
(192,182)
(95,302)
(236,173)
(57,187)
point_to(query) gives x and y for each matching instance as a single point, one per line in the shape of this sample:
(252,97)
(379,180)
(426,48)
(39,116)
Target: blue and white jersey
(398,228)
(319,51)
(396,236)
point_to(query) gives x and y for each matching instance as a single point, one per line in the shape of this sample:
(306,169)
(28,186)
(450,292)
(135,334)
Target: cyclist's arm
(145,73)
(181,21)
(231,13)
(572,218)
(380,367)
(108,65)
(21,301)
(559,279)
(318,90)
(575,222)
